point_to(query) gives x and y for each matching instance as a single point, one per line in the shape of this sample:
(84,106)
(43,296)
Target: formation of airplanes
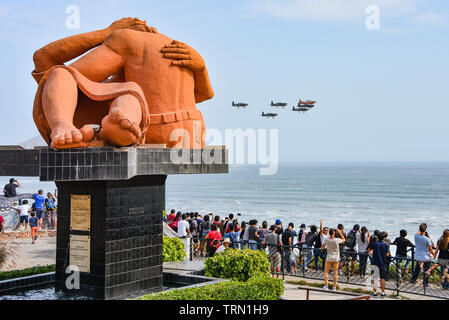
(302,106)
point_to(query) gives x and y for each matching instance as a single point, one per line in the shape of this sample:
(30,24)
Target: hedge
(239,265)
(173,250)
(258,288)
(6,275)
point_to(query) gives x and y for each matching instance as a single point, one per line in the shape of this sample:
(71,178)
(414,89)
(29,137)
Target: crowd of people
(288,248)
(39,215)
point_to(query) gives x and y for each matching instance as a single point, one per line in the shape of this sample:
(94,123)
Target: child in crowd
(34,225)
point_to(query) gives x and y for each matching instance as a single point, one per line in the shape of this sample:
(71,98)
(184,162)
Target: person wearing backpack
(350,252)
(234,236)
(213,239)
(199,222)
(193,227)
(232,221)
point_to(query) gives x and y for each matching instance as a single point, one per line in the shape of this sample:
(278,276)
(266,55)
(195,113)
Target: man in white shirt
(23,214)
(183,227)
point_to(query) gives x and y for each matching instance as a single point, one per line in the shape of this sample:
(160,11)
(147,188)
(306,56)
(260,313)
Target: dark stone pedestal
(125,236)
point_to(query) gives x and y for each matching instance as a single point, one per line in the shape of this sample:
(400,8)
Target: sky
(382,94)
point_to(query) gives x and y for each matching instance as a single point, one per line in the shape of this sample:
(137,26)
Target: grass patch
(13,274)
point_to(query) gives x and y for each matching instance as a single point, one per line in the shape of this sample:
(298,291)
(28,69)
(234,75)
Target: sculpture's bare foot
(67,136)
(119,131)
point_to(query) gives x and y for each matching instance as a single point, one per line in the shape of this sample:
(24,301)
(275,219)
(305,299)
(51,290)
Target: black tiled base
(126,246)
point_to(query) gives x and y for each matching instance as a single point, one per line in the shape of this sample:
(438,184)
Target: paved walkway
(184,266)
(293,293)
(43,252)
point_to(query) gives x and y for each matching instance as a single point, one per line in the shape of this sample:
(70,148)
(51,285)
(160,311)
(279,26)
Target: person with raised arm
(332,244)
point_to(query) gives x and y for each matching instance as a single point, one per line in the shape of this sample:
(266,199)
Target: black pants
(211,251)
(363,258)
(417,270)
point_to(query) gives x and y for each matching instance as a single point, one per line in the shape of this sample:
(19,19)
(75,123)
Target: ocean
(384,196)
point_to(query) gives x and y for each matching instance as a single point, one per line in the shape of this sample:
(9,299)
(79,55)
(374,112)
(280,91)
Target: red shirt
(214,235)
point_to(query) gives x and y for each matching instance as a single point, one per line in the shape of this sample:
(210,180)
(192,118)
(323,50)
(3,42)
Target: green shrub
(258,288)
(239,265)
(173,250)
(6,275)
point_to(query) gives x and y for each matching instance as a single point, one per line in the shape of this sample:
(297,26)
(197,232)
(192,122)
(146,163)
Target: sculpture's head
(133,24)
(144,27)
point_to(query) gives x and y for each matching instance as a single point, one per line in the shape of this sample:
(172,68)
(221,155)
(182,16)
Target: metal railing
(402,274)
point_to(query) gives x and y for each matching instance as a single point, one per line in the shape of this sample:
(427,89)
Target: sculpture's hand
(131,23)
(183,56)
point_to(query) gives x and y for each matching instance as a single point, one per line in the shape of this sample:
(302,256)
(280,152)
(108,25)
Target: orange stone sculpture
(139,86)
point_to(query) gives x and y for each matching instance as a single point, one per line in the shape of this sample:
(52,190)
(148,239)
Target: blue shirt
(39,201)
(33,222)
(380,250)
(422,244)
(234,236)
(50,204)
(293,236)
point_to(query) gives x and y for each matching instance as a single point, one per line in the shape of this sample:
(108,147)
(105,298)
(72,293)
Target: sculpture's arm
(61,51)
(185,56)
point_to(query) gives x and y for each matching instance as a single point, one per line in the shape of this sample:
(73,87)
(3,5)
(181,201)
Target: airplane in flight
(278,104)
(308,103)
(269,115)
(301,109)
(238,105)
